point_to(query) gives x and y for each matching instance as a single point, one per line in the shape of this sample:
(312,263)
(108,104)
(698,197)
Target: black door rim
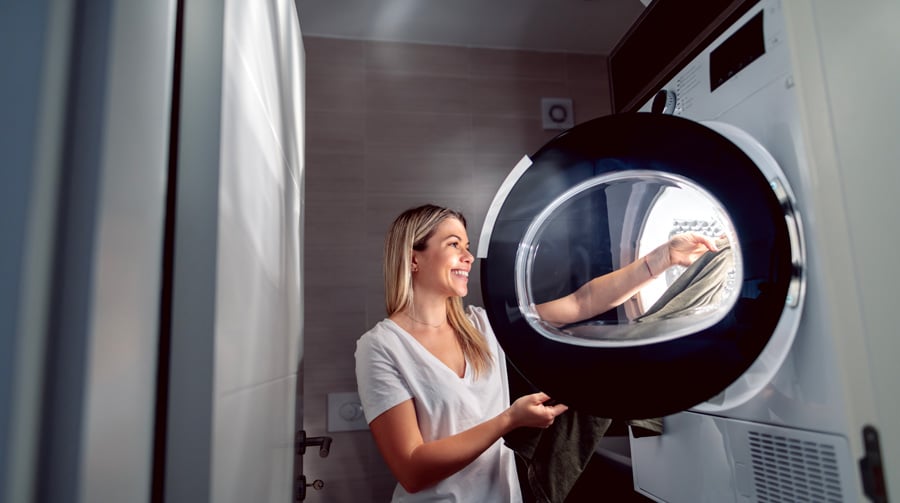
(661,378)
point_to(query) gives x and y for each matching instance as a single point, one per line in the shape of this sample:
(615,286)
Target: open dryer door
(607,192)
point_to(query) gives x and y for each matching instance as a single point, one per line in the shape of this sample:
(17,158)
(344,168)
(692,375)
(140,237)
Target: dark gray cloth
(554,458)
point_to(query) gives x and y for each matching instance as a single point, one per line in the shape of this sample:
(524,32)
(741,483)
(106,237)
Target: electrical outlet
(345,412)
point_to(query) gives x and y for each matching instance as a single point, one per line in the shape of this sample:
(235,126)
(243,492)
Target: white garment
(392,367)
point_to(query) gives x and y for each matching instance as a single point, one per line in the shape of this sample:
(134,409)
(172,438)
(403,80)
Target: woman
(432,377)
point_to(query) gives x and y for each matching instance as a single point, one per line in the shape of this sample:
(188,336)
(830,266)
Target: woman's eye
(455,245)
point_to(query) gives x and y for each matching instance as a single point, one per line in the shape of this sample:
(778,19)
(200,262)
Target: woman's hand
(529,410)
(684,249)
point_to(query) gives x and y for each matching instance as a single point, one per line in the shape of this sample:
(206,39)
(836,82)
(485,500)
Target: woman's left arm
(612,289)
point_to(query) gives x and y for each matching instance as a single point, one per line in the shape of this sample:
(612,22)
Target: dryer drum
(631,376)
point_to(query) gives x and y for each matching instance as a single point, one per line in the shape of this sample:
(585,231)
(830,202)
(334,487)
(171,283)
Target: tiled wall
(391,126)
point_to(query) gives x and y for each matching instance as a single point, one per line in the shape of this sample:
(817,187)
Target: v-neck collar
(403,332)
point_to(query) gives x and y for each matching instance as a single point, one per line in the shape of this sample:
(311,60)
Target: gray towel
(702,284)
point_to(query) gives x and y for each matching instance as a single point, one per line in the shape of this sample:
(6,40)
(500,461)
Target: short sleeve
(378,379)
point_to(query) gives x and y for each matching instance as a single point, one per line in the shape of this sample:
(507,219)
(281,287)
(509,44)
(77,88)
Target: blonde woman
(432,377)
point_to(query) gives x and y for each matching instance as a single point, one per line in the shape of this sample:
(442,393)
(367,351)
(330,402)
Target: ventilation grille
(791,470)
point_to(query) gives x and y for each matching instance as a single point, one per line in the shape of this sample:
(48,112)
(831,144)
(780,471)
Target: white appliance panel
(710,457)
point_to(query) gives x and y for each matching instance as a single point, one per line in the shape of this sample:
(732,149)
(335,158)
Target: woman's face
(443,266)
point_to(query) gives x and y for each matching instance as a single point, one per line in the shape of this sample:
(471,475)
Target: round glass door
(605,223)
(603,195)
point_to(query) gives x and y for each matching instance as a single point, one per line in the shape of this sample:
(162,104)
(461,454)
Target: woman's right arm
(418,464)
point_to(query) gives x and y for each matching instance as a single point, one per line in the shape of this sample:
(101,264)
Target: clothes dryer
(752,409)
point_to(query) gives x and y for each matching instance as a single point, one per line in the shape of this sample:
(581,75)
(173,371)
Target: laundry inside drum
(610,221)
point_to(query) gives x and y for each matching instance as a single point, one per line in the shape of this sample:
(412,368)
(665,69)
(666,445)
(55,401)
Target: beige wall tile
(586,67)
(375,307)
(382,209)
(326,301)
(589,100)
(439,133)
(513,98)
(334,131)
(334,362)
(334,223)
(401,172)
(509,135)
(422,59)
(336,93)
(328,265)
(389,92)
(334,173)
(334,57)
(518,64)
(333,365)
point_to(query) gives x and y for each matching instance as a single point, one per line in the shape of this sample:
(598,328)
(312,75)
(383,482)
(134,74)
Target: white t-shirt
(392,367)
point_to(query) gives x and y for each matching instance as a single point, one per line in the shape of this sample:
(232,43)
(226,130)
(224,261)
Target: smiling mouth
(458,272)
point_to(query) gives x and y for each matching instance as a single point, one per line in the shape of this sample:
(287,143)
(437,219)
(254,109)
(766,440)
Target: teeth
(461,273)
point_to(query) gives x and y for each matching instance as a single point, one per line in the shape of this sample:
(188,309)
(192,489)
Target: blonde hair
(411,231)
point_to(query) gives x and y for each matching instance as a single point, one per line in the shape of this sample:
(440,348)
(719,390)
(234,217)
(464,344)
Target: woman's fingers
(552,412)
(540,397)
(686,248)
(708,242)
(558,409)
(532,410)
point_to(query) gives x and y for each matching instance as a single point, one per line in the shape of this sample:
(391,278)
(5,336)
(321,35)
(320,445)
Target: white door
(233,396)
(259,303)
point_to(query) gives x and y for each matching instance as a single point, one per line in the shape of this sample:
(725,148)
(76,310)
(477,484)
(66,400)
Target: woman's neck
(427,312)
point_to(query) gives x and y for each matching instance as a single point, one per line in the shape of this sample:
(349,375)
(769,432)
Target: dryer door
(607,192)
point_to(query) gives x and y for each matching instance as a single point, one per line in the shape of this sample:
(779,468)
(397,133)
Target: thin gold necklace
(439,325)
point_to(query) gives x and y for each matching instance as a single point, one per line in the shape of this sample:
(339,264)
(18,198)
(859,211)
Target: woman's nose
(468,257)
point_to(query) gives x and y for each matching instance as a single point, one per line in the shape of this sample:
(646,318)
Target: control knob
(664,102)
